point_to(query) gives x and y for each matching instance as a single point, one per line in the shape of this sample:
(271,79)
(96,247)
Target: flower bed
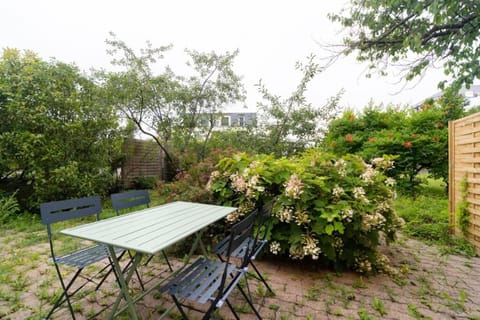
(328,208)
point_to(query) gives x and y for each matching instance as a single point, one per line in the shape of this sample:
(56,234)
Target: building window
(225,121)
(241,121)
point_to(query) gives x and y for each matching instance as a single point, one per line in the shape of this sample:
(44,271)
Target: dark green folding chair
(58,211)
(130,199)
(212,281)
(255,243)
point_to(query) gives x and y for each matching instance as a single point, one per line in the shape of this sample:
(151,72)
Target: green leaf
(339,227)
(329,229)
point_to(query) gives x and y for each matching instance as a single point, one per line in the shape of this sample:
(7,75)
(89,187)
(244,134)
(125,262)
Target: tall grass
(426,218)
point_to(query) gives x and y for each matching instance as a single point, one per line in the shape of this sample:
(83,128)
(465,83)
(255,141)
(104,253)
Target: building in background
(472,97)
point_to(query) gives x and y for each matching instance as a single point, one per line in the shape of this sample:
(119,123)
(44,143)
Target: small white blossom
(213,176)
(383,163)
(372,221)
(310,247)
(296,252)
(390,182)
(369,174)
(294,187)
(347,214)
(285,214)
(275,247)
(338,244)
(238,183)
(337,192)
(341,166)
(253,186)
(234,216)
(359,194)
(244,208)
(383,207)
(363,265)
(255,164)
(301,217)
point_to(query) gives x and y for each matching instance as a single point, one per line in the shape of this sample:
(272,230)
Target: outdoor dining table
(148,231)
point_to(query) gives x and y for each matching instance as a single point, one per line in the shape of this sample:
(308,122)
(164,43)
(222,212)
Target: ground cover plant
(426,218)
(328,208)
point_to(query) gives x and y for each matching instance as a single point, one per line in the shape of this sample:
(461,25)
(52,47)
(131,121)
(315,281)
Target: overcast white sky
(271,36)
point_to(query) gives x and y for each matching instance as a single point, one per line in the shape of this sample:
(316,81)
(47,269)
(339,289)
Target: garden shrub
(418,138)
(8,207)
(189,184)
(144,182)
(336,210)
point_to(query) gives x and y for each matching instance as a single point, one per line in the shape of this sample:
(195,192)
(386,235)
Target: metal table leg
(123,281)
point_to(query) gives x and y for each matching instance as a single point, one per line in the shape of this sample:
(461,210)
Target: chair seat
(85,256)
(199,281)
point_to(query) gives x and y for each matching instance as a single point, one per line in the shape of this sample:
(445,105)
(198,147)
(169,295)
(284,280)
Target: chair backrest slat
(63,210)
(263,222)
(240,232)
(130,199)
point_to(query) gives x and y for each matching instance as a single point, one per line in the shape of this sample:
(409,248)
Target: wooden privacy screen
(142,159)
(464,163)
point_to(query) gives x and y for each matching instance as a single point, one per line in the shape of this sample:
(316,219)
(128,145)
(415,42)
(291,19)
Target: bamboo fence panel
(464,163)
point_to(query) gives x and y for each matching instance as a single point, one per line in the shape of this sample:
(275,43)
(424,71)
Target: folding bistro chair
(213,281)
(132,199)
(57,211)
(256,244)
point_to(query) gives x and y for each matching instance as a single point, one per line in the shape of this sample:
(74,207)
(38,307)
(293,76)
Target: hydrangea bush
(336,210)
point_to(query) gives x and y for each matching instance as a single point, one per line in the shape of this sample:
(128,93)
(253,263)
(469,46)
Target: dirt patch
(428,285)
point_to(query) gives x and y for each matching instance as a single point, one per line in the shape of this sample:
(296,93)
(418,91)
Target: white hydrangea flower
(301,217)
(213,176)
(238,183)
(369,174)
(294,187)
(383,163)
(363,265)
(310,247)
(390,182)
(372,221)
(341,166)
(296,252)
(359,194)
(347,214)
(383,207)
(253,186)
(285,214)
(337,192)
(275,247)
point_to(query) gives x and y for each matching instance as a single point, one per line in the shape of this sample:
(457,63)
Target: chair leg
(65,296)
(249,302)
(179,307)
(209,312)
(110,264)
(261,278)
(233,310)
(164,256)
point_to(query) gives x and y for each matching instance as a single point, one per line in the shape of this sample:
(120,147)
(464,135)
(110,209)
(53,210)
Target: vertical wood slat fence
(464,163)
(142,159)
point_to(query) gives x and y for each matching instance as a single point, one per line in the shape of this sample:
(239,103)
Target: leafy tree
(417,139)
(426,32)
(292,124)
(57,137)
(173,110)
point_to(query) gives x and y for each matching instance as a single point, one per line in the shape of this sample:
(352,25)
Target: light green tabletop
(152,229)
